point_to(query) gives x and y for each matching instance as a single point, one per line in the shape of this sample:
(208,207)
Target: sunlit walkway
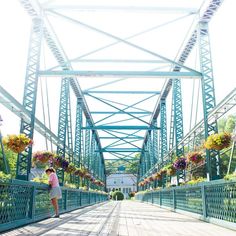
(123,218)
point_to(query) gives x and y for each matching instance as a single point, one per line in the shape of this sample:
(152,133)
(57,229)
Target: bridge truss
(99,119)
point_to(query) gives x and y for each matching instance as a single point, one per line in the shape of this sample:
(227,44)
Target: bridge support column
(78,137)
(30,95)
(178,124)
(208,96)
(163,136)
(63,123)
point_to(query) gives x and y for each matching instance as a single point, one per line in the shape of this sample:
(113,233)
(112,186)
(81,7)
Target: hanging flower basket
(87,176)
(180,163)
(17,143)
(163,171)
(80,172)
(150,179)
(154,177)
(195,157)
(71,168)
(170,170)
(141,184)
(60,162)
(218,141)
(43,157)
(77,172)
(158,176)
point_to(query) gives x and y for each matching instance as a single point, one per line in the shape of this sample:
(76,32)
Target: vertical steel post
(69,130)
(62,123)
(87,147)
(78,137)
(178,123)
(208,96)
(163,135)
(30,95)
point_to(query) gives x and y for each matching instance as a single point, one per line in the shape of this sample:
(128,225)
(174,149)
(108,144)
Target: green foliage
(117,195)
(227,124)
(196,181)
(130,167)
(11,158)
(4,177)
(230,176)
(230,124)
(43,179)
(225,162)
(131,194)
(69,185)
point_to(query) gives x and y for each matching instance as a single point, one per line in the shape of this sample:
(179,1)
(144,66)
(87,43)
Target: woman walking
(55,190)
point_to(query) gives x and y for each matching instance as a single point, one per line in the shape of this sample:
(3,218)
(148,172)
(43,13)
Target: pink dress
(55,191)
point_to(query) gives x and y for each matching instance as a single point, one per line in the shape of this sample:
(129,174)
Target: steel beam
(119,61)
(121,112)
(133,74)
(30,95)
(110,127)
(141,9)
(206,16)
(120,150)
(136,138)
(62,123)
(34,10)
(78,132)
(19,110)
(163,132)
(120,92)
(208,96)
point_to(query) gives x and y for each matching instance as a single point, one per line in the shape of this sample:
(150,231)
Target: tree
(11,161)
(230,124)
(227,124)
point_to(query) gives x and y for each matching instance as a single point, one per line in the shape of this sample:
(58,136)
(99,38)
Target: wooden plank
(126,218)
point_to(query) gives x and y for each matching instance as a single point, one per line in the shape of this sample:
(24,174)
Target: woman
(55,190)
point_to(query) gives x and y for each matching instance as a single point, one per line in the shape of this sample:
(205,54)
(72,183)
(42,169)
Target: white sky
(15,28)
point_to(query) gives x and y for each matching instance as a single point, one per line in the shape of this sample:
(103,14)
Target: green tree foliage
(131,167)
(117,195)
(11,161)
(227,124)
(230,124)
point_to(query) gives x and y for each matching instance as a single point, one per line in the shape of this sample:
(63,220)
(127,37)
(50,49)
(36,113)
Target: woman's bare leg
(55,205)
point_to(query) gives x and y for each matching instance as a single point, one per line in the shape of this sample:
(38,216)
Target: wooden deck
(123,218)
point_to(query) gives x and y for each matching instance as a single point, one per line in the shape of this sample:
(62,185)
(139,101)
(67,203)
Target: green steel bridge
(119,102)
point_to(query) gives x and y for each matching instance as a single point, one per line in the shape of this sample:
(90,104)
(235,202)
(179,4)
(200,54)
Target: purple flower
(180,164)
(64,164)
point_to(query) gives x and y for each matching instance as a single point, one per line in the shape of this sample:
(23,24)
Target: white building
(125,183)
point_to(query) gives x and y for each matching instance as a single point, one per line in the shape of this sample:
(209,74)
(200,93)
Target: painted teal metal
(137,74)
(25,202)
(119,92)
(163,131)
(208,96)
(120,112)
(30,95)
(210,200)
(119,127)
(178,124)
(78,133)
(63,123)
(3,156)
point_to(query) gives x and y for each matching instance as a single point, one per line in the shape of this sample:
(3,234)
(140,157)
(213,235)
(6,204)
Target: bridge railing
(23,202)
(213,201)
